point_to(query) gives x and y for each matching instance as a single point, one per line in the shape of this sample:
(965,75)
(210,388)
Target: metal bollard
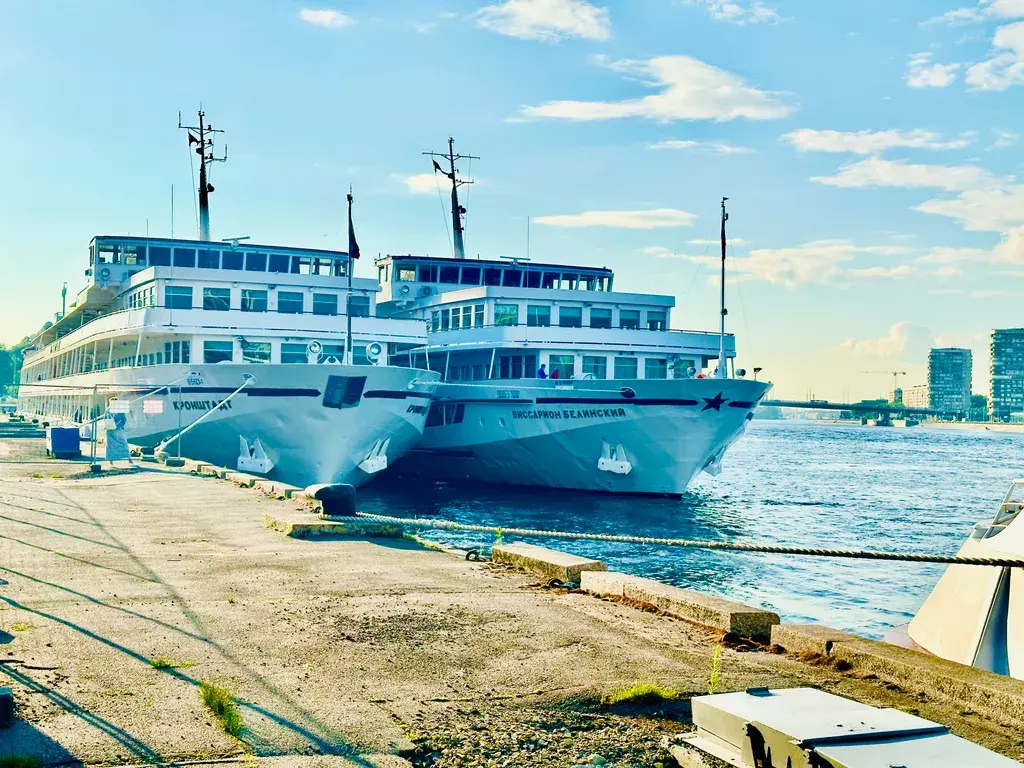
(337,500)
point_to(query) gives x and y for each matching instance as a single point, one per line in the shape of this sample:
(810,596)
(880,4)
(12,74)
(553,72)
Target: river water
(788,482)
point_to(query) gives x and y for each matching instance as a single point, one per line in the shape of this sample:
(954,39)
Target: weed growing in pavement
(21,626)
(222,704)
(647,694)
(163,662)
(715,682)
(498,539)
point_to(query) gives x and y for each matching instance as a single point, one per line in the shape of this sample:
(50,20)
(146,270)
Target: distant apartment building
(1007,367)
(949,379)
(916,396)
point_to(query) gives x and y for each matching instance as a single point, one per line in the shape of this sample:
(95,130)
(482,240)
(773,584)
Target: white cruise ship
(247,346)
(627,405)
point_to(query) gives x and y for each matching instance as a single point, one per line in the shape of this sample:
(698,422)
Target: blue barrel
(63,442)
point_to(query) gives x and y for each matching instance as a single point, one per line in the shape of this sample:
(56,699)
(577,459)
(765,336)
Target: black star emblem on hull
(715,402)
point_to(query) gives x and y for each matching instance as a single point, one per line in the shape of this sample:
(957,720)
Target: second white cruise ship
(552,378)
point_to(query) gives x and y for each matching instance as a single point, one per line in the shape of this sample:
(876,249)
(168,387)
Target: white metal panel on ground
(1015,625)
(933,751)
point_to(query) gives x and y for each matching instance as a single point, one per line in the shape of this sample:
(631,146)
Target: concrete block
(275,488)
(808,638)
(914,671)
(547,562)
(699,608)
(302,526)
(241,478)
(6,708)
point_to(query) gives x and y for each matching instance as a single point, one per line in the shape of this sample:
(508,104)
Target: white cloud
(998,207)
(877,172)
(820,261)
(1006,67)
(546,20)
(326,17)
(421,183)
(732,241)
(985,9)
(1005,139)
(869,142)
(718,147)
(737,11)
(903,338)
(424,27)
(922,73)
(650,219)
(689,90)
(899,270)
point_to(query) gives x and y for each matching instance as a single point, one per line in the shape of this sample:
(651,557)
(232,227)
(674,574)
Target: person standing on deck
(541,373)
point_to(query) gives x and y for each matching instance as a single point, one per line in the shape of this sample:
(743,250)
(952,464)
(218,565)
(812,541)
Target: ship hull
(547,434)
(298,413)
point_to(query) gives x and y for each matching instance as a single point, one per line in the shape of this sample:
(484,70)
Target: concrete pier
(121,593)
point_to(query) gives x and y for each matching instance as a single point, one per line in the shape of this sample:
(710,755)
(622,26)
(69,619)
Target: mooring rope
(770,549)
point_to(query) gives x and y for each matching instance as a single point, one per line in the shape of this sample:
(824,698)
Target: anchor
(254,460)
(377,459)
(614,461)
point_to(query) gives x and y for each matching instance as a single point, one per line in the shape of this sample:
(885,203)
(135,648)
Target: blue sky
(870,151)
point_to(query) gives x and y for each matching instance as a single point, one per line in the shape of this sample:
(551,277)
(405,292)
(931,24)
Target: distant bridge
(863,408)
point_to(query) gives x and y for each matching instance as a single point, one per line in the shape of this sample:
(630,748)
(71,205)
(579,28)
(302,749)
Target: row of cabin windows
(525,367)
(255,300)
(508,277)
(454,318)
(572,317)
(291,353)
(445,413)
(206,258)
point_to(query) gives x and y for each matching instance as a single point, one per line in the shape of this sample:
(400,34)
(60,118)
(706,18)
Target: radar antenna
(202,137)
(458,212)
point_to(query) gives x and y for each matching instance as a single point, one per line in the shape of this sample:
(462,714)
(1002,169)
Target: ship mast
(723,366)
(458,212)
(202,137)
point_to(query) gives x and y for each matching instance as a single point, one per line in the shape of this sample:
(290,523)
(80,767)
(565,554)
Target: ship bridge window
(256,351)
(217,298)
(600,317)
(492,276)
(178,297)
(302,265)
(655,368)
(449,275)
(134,254)
(629,318)
(325,304)
(551,280)
(513,278)
(506,314)
(289,302)
(595,366)
(563,365)
(625,367)
(218,351)
(255,262)
(294,354)
(231,260)
(570,280)
(159,256)
(359,306)
(209,259)
(570,317)
(176,351)
(587,282)
(184,257)
(406,273)
(656,321)
(254,300)
(278,262)
(538,316)
(427,273)
(470,276)
(532,279)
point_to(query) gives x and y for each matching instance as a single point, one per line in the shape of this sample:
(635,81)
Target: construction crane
(895,378)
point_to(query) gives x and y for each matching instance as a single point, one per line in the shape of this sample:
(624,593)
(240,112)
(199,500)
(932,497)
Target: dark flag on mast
(439,169)
(353,246)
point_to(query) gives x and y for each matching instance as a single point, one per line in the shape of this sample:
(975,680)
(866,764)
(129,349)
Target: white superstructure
(627,405)
(268,358)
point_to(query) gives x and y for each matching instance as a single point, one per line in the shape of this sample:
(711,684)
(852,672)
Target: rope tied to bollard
(768,549)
